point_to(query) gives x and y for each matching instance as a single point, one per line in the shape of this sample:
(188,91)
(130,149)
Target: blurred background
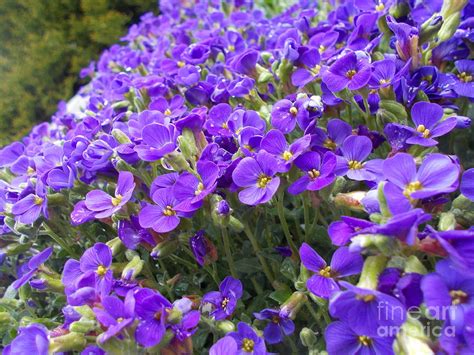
(43,46)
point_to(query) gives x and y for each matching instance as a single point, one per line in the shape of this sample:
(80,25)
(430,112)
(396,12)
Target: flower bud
(413,264)
(352,200)
(447,221)
(449,27)
(177,161)
(187,144)
(133,268)
(84,325)
(373,266)
(120,136)
(294,303)
(411,339)
(430,28)
(264,77)
(164,248)
(395,108)
(463,122)
(225,326)
(69,342)
(308,338)
(115,245)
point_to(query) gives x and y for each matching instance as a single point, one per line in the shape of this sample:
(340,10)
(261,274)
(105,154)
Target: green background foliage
(43,46)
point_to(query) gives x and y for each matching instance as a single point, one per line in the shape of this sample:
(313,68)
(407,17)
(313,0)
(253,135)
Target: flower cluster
(246,178)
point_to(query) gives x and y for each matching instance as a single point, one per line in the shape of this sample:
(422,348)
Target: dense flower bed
(245,183)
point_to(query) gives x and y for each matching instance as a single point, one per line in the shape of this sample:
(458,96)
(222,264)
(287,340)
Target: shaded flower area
(252,178)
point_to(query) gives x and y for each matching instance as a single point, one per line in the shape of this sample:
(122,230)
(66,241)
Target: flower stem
(48,231)
(228,253)
(258,251)
(284,225)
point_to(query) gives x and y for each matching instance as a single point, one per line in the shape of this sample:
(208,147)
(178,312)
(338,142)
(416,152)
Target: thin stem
(312,312)
(258,252)
(48,231)
(284,225)
(228,253)
(306,217)
(257,286)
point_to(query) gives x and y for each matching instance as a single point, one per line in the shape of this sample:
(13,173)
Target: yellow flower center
(458,297)
(181,64)
(314,174)
(101,270)
(263,181)
(355,165)
(293,110)
(169,211)
(248,147)
(167,112)
(199,189)
(38,200)
(248,345)
(287,155)
(423,130)
(350,73)
(157,315)
(412,187)
(329,144)
(384,81)
(224,303)
(276,319)
(365,340)
(116,200)
(380,7)
(465,77)
(366,298)
(322,48)
(225,125)
(119,320)
(231,48)
(326,272)
(316,69)
(30,170)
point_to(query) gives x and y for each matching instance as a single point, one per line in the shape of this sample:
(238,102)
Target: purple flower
(366,310)
(337,132)
(198,245)
(280,325)
(467,184)
(103,205)
(275,143)
(218,120)
(151,307)
(385,73)
(187,326)
(132,234)
(310,60)
(248,342)
(32,339)
(348,71)
(465,85)
(224,300)
(164,216)
(29,269)
(459,246)
(403,226)
(158,140)
(355,151)
(426,117)
(285,114)
(115,315)
(323,283)
(342,231)
(318,174)
(191,190)
(245,62)
(448,293)
(257,176)
(437,174)
(342,338)
(28,209)
(224,346)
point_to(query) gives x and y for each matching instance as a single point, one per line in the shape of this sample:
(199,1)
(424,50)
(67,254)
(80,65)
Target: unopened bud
(373,266)
(120,136)
(449,27)
(294,303)
(115,245)
(447,221)
(133,268)
(70,342)
(187,144)
(352,200)
(308,338)
(164,248)
(177,161)
(225,326)
(84,325)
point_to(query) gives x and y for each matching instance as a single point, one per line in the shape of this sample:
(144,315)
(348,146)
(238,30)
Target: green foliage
(44,45)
